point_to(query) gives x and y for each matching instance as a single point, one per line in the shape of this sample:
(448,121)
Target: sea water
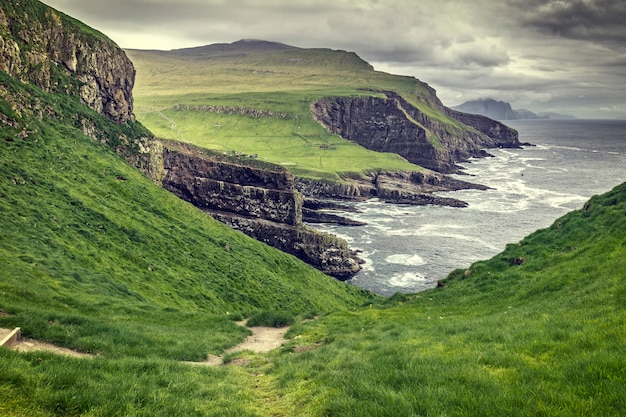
(410,248)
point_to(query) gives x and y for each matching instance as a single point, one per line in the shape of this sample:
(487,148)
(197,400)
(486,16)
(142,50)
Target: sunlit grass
(285,83)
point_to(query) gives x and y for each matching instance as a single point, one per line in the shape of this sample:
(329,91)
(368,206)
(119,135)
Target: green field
(207,101)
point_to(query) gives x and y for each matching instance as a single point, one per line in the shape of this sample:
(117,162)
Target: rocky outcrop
(44,47)
(213,184)
(411,187)
(256,198)
(392,124)
(324,251)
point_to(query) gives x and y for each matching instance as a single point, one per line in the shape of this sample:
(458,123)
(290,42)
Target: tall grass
(537,330)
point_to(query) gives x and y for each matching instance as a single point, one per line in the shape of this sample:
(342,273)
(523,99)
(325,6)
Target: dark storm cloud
(535,53)
(600,21)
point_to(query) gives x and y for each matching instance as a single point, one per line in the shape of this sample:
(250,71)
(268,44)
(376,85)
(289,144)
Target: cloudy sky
(567,56)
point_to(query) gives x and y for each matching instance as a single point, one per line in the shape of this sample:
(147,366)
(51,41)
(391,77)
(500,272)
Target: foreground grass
(538,330)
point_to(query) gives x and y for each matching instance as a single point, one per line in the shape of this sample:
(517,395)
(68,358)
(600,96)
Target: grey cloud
(601,21)
(559,52)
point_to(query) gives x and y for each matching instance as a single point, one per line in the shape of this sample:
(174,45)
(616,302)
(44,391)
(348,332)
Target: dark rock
(323,251)
(401,187)
(392,124)
(259,199)
(319,216)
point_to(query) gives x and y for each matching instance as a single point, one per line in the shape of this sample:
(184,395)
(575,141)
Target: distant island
(501,110)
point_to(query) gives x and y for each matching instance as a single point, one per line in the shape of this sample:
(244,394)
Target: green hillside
(254,97)
(539,329)
(95,256)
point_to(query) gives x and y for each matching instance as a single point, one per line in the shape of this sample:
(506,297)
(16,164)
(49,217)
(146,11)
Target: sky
(566,56)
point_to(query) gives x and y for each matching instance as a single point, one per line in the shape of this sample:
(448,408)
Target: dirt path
(30,345)
(263,339)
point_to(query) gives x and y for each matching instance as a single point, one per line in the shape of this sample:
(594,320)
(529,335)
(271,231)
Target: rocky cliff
(42,46)
(256,198)
(392,124)
(399,187)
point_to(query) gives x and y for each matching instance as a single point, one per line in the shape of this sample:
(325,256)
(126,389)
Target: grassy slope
(95,256)
(284,82)
(547,337)
(86,259)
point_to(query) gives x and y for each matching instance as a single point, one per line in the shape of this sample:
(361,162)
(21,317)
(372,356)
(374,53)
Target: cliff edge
(392,124)
(257,198)
(59,54)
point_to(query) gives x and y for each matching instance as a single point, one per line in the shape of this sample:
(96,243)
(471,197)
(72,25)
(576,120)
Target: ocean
(408,249)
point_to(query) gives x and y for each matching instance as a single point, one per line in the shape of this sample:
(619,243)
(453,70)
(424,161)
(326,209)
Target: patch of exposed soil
(263,339)
(31,345)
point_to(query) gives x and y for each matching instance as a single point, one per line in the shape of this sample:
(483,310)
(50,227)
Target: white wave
(561,201)
(368,265)
(565,148)
(407,279)
(405,259)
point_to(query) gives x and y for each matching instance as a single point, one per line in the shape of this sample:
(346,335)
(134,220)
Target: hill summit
(238,47)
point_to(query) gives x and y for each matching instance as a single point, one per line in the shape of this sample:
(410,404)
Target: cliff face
(214,185)
(256,198)
(392,124)
(415,188)
(44,47)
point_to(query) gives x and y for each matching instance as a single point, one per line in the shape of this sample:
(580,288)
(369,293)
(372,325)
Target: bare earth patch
(31,345)
(263,339)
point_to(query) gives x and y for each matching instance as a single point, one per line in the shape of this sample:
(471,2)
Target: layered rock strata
(256,198)
(392,124)
(400,187)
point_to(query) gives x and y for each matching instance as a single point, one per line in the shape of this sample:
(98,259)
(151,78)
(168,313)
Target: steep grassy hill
(255,97)
(539,329)
(94,256)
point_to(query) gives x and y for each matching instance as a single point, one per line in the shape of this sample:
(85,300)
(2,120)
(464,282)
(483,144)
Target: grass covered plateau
(258,102)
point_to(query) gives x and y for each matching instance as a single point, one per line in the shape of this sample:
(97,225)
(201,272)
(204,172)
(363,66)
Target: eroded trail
(30,345)
(263,339)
